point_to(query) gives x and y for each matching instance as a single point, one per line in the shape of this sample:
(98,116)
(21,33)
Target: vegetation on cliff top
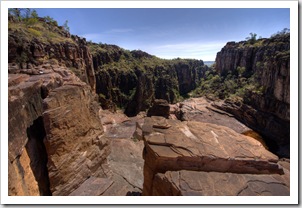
(240,83)
(122,74)
(28,25)
(126,71)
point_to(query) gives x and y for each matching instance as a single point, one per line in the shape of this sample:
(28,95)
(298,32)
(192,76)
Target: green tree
(65,26)
(281,33)
(34,14)
(31,17)
(240,70)
(252,39)
(16,12)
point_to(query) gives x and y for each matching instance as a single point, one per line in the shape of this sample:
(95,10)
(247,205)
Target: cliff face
(55,139)
(54,130)
(133,79)
(29,47)
(269,111)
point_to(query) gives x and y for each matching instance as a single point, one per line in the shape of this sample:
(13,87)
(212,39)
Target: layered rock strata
(159,108)
(55,136)
(267,112)
(171,145)
(203,110)
(133,79)
(71,51)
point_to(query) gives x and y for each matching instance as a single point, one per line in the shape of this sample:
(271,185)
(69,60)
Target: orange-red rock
(171,145)
(56,107)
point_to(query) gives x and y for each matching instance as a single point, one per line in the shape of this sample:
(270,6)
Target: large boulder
(198,183)
(159,108)
(171,145)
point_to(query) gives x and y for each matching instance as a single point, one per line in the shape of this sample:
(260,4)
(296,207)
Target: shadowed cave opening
(38,156)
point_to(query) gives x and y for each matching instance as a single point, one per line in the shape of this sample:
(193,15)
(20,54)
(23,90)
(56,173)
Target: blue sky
(171,33)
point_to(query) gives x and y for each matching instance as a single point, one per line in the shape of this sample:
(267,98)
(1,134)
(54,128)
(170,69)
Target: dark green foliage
(50,20)
(252,39)
(281,33)
(65,26)
(136,77)
(26,15)
(247,79)
(215,85)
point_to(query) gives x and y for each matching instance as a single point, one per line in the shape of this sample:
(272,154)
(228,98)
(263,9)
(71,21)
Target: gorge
(88,119)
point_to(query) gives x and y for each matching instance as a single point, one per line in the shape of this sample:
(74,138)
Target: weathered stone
(92,187)
(202,147)
(74,143)
(201,109)
(159,108)
(193,183)
(28,52)
(21,178)
(69,116)
(264,122)
(126,163)
(267,112)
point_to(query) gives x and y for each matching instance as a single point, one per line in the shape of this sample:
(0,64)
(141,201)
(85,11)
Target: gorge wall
(133,79)
(267,112)
(57,144)
(55,139)
(45,43)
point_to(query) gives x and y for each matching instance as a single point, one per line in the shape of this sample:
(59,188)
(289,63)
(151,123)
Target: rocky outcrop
(203,110)
(55,136)
(125,160)
(133,79)
(267,112)
(193,183)
(159,108)
(26,52)
(214,151)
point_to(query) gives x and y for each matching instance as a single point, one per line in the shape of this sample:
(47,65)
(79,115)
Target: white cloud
(99,37)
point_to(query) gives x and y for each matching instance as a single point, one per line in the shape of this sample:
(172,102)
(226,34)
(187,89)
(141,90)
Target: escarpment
(45,43)
(62,143)
(133,79)
(267,110)
(56,139)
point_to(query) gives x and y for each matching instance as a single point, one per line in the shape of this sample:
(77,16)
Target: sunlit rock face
(54,129)
(267,112)
(171,145)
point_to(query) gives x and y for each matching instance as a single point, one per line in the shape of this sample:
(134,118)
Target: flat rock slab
(202,110)
(172,145)
(193,183)
(93,186)
(118,125)
(125,160)
(175,145)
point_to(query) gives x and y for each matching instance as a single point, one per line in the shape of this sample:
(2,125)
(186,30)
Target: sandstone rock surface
(159,108)
(171,145)
(267,112)
(193,183)
(202,110)
(53,116)
(125,160)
